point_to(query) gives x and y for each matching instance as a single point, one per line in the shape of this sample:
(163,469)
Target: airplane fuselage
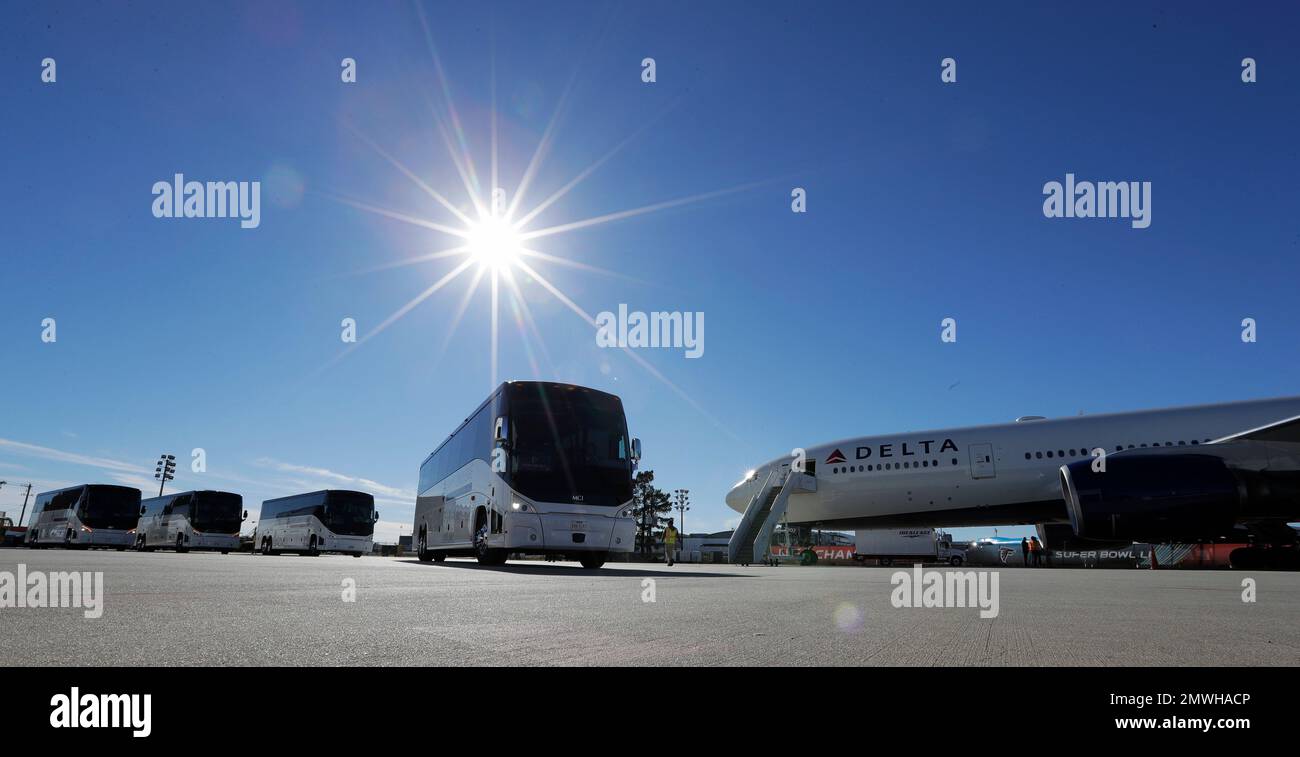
(987,475)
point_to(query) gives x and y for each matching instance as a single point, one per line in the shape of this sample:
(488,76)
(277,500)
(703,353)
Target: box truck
(906,545)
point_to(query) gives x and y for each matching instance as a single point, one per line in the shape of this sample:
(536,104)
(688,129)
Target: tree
(651,507)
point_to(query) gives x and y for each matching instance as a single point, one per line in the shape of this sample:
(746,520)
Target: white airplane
(1217,472)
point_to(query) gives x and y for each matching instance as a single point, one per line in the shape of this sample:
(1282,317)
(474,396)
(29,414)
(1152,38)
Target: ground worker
(670,542)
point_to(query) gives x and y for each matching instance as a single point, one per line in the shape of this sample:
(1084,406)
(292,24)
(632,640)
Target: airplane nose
(738,498)
(733,497)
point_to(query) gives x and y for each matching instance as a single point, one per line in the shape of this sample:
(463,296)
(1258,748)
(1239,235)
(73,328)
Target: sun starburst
(491,243)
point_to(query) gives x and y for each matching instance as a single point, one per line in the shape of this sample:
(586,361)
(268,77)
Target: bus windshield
(218,512)
(110,507)
(350,514)
(569,446)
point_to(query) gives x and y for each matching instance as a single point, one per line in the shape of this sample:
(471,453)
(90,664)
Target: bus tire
(593,562)
(885,562)
(356,554)
(439,556)
(422,549)
(954,561)
(268,549)
(312,551)
(225,551)
(180,543)
(482,552)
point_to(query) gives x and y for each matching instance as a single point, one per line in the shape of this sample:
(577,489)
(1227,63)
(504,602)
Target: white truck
(909,545)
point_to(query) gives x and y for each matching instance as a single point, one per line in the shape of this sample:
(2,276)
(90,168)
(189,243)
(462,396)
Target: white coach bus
(89,515)
(191,520)
(539,468)
(332,520)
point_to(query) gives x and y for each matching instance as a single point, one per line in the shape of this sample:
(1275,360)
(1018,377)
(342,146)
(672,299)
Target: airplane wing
(1287,430)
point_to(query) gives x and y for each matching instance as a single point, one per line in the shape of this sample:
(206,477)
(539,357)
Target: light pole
(166,467)
(683,504)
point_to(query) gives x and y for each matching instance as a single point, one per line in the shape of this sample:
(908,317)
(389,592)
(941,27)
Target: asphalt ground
(168,609)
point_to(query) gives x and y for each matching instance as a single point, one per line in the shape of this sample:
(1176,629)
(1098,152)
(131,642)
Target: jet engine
(1158,498)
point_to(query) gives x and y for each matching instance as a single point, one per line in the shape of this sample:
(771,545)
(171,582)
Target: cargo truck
(906,545)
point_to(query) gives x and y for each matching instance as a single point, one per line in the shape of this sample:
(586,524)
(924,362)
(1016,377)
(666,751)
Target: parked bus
(89,515)
(191,520)
(538,468)
(332,520)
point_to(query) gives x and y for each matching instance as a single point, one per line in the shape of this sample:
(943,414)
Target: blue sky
(924,202)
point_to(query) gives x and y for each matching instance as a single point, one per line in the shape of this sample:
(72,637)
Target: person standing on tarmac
(670,542)
(1024,550)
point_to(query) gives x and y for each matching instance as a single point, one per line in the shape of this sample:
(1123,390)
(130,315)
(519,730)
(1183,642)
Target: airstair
(752,539)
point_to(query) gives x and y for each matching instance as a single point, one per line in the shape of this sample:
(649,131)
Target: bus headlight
(519,507)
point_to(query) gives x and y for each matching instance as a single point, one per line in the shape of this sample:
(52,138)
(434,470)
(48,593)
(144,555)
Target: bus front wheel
(422,550)
(180,542)
(485,554)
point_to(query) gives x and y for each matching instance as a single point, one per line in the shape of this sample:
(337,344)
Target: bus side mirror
(142,509)
(636,450)
(501,432)
(376,516)
(245,515)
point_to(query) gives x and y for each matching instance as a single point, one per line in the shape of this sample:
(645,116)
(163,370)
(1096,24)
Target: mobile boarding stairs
(752,539)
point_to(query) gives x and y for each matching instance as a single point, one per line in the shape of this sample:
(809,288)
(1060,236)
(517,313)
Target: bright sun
(494,243)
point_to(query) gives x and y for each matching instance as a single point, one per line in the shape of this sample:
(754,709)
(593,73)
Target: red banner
(824,552)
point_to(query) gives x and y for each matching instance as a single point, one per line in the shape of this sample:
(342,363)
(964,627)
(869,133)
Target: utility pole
(166,467)
(24,513)
(683,504)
